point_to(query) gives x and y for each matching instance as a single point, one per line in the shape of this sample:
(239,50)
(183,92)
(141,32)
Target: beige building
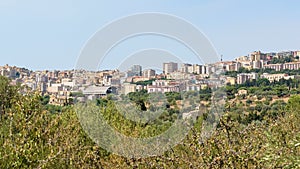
(148,73)
(243,77)
(292,66)
(179,75)
(231,80)
(139,78)
(58,100)
(276,77)
(170,67)
(195,68)
(242,92)
(279,67)
(257,56)
(276,67)
(242,59)
(128,88)
(297,53)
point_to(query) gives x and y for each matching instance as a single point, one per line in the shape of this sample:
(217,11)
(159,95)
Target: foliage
(256,136)
(76,94)
(276,60)
(45,99)
(139,98)
(145,83)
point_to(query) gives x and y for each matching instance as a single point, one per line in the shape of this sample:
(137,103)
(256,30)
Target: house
(93,92)
(242,92)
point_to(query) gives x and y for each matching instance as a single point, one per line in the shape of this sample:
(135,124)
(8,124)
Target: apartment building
(170,67)
(148,73)
(277,77)
(243,77)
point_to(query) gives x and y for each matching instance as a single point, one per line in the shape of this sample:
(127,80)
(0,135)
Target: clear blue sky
(49,34)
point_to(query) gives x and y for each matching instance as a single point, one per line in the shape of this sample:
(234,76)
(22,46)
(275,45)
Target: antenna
(221,58)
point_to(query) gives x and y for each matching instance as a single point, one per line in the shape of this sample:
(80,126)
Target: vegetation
(254,134)
(282,60)
(145,83)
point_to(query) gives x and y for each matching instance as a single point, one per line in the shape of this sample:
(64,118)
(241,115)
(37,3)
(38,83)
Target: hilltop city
(62,87)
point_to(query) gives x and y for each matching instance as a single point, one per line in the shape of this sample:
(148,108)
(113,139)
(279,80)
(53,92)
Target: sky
(44,34)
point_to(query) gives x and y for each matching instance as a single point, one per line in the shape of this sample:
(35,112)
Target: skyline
(40,35)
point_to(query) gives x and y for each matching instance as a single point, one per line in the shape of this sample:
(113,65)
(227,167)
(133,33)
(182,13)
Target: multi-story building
(257,64)
(229,65)
(277,67)
(162,86)
(285,54)
(257,56)
(148,73)
(185,67)
(296,54)
(128,88)
(199,69)
(170,67)
(277,77)
(179,76)
(280,66)
(195,68)
(93,92)
(242,59)
(246,64)
(231,80)
(243,77)
(135,70)
(292,66)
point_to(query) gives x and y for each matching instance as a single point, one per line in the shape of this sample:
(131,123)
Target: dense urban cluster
(62,87)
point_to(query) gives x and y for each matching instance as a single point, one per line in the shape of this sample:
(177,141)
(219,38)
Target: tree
(294,103)
(8,93)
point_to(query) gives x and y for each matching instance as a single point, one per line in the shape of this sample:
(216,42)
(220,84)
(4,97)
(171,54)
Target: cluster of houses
(63,86)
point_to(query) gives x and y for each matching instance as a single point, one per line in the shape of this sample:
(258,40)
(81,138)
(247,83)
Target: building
(243,77)
(162,86)
(242,92)
(128,88)
(148,73)
(170,67)
(277,67)
(163,89)
(231,80)
(285,54)
(199,69)
(68,82)
(195,87)
(195,68)
(280,66)
(245,64)
(135,70)
(42,87)
(54,88)
(292,66)
(257,56)
(179,75)
(139,79)
(242,58)
(258,64)
(58,100)
(297,54)
(276,77)
(229,65)
(185,67)
(93,92)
